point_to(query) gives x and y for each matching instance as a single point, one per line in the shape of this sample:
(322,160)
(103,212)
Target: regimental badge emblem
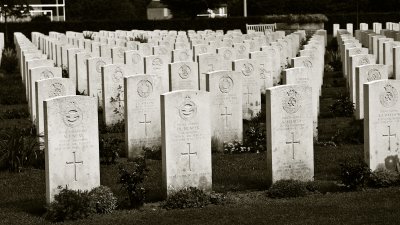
(227,54)
(225,84)
(373,74)
(118,75)
(307,64)
(242,49)
(56,89)
(46,74)
(247,69)
(144,88)
(389,96)
(363,61)
(184,71)
(99,64)
(157,63)
(188,109)
(291,102)
(72,114)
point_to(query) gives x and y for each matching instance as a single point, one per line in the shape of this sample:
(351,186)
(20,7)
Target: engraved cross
(226,114)
(389,135)
(145,122)
(189,154)
(292,142)
(248,93)
(74,162)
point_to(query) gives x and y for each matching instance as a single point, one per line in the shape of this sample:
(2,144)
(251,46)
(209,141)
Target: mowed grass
(241,176)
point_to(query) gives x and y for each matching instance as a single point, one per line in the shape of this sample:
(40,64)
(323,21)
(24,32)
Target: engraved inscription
(291,101)
(389,96)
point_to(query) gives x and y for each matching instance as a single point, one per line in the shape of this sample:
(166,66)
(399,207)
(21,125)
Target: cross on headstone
(248,93)
(188,154)
(389,135)
(145,122)
(226,114)
(263,71)
(292,142)
(75,162)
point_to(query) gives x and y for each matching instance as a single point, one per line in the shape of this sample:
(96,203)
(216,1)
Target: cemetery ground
(241,177)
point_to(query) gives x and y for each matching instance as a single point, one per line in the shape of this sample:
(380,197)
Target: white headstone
(186,140)
(72,144)
(183,75)
(290,153)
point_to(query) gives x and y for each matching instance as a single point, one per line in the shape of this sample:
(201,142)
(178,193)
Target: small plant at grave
(382,177)
(109,150)
(153,152)
(333,59)
(254,135)
(19,148)
(118,127)
(116,102)
(328,68)
(132,182)
(332,45)
(80,93)
(140,38)
(88,35)
(9,60)
(352,134)
(103,200)
(192,197)
(235,147)
(65,73)
(354,174)
(70,205)
(288,189)
(343,106)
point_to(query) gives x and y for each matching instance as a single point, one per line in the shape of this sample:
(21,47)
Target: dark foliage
(110,149)
(354,174)
(192,197)
(288,189)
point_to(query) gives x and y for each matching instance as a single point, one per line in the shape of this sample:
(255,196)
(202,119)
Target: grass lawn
(241,176)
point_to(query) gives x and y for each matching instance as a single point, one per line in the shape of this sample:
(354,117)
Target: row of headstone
(235,93)
(376,96)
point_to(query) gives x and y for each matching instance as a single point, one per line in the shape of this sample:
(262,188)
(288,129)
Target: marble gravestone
(382,124)
(82,71)
(142,113)
(112,76)
(50,88)
(186,141)
(208,62)
(135,61)
(71,60)
(265,72)
(357,60)
(225,88)
(227,56)
(94,86)
(290,153)
(182,55)
(117,54)
(35,74)
(158,65)
(251,104)
(364,74)
(183,75)
(30,64)
(72,144)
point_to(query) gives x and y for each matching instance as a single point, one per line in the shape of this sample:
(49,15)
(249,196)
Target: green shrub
(40,18)
(65,73)
(18,149)
(384,178)
(132,182)
(296,18)
(118,127)
(332,45)
(88,35)
(323,186)
(342,107)
(70,205)
(153,152)
(192,197)
(288,189)
(235,147)
(140,38)
(354,174)
(9,60)
(103,199)
(352,134)
(109,150)
(254,136)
